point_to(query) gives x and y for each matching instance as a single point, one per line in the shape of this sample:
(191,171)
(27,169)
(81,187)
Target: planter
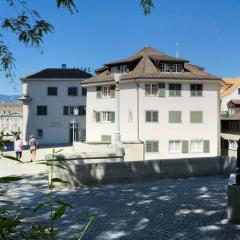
(234,204)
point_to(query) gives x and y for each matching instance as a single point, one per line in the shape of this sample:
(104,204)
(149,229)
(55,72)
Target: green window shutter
(112,91)
(155,146)
(106,138)
(99,91)
(97,116)
(184,146)
(112,117)
(65,110)
(148,146)
(155,116)
(175,116)
(148,116)
(196,116)
(161,90)
(206,146)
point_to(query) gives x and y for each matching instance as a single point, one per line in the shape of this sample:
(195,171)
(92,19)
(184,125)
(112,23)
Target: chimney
(64,66)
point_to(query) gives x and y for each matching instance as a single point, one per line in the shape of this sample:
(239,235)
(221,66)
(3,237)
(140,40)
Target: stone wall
(79,173)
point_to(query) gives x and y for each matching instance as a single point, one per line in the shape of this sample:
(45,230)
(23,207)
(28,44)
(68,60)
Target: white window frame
(106,116)
(106,91)
(151,113)
(173,148)
(151,89)
(196,146)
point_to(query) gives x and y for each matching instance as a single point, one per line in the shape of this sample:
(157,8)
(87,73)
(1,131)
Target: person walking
(33,145)
(18,146)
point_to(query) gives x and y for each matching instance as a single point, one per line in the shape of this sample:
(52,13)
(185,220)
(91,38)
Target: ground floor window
(151,146)
(106,138)
(175,146)
(39,133)
(196,146)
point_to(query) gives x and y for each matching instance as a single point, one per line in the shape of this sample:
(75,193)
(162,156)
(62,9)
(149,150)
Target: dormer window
(168,67)
(123,69)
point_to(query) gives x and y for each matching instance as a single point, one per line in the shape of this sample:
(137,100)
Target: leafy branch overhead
(30,28)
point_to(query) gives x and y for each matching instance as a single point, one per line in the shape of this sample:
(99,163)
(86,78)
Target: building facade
(11,118)
(169,105)
(54,105)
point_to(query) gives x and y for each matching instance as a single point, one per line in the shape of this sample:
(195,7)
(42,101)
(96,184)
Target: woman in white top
(18,146)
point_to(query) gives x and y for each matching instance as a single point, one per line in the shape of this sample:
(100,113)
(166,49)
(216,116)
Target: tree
(30,28)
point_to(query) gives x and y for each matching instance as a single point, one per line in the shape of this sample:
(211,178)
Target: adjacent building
(166,103)
(230,116)
(11,118)
(54,105)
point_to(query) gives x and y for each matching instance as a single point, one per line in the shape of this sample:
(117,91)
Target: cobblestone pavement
(159,209)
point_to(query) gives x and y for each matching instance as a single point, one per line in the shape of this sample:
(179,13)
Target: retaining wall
(78,173)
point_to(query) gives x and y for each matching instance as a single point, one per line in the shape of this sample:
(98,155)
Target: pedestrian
(33,145)
(18,146)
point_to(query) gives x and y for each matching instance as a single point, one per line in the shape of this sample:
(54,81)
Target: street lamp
(73,122)
(116,142)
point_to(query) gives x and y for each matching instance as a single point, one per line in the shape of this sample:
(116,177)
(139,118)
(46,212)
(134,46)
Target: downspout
(138,121)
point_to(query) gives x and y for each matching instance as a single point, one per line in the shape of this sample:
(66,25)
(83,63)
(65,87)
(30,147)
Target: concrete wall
(98,173)
(55,125)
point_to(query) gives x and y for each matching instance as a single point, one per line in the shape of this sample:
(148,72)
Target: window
(114,70)
(41,110)
(151,89)
(165,67)
(151,146)
(72,91)
(239,91)
(196,117)
(175,116)
(175,146)
(106,138)
(106,91)
(105,116)
(52,91)
(39,133)
(196,146)
(196,90)
(84,91)
(176,67)
(151,116)
(174,90)
(123,69)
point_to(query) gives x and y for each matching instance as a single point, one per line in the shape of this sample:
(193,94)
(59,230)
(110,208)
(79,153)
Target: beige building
(11,118)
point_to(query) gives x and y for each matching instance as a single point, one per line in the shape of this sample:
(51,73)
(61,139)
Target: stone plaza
(193,208)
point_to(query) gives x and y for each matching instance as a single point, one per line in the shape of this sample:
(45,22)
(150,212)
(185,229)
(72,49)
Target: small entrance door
(73,131)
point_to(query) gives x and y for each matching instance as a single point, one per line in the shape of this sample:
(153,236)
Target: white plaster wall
(55,125)
(233,95)
(161,131)
(164,131)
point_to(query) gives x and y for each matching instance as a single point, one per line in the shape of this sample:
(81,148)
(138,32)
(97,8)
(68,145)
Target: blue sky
(207,32)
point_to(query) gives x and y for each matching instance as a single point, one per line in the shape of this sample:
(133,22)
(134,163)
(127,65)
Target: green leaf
(9,179)
(64,203)
(9,223)
(59,212)
(59,180)
(41,204)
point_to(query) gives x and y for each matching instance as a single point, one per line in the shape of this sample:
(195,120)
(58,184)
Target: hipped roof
(145,68)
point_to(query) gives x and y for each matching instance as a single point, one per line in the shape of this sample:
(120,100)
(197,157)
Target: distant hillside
(8,98)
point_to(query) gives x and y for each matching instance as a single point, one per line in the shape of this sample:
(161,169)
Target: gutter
(138,121)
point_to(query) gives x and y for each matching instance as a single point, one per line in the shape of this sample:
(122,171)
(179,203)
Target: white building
(165,102)
(51,99)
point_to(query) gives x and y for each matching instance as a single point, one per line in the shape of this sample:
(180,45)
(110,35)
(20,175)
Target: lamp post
(73,122)
(116,142)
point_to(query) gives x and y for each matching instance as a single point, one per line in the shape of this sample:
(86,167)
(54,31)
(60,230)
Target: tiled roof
(230,85)
(144,67)
(61,73)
